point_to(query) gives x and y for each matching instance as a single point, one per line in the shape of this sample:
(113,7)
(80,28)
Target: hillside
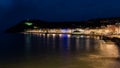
(37,24)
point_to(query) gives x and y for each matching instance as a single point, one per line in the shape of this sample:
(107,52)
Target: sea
(35,50)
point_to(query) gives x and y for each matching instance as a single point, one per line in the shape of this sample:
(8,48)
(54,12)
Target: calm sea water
(56,51)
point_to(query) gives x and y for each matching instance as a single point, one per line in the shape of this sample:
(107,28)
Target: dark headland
(37,24)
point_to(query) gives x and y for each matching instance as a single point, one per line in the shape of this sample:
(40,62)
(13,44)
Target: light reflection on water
(65,51)
(109,49)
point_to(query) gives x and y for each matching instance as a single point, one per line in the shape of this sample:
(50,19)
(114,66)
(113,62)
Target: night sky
(13,11)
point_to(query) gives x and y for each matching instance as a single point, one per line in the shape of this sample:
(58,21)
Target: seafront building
(109,29)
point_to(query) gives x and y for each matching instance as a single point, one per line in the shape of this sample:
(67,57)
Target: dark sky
(13,11)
